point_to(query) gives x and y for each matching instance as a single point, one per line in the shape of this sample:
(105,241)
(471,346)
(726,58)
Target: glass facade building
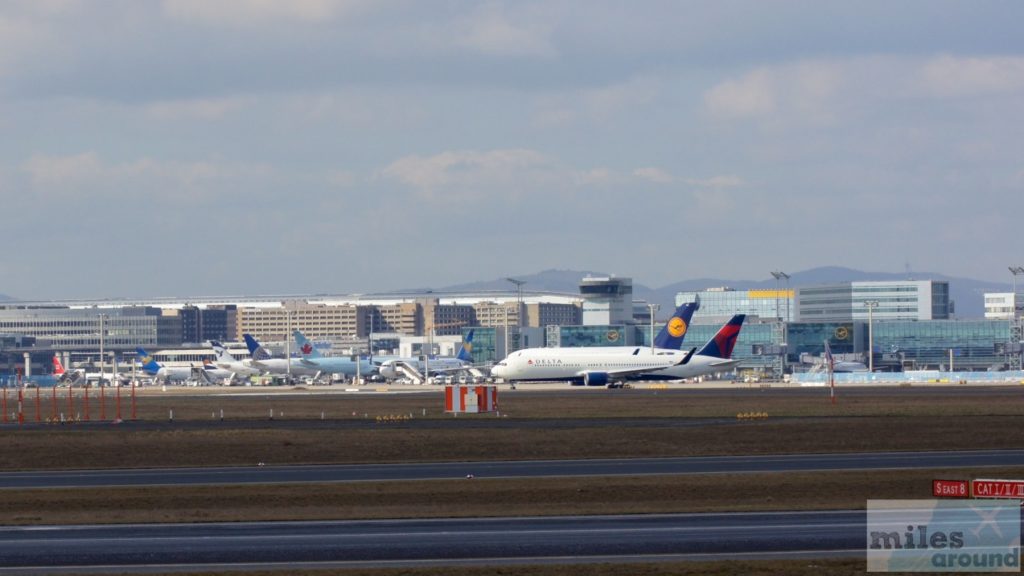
(894,300)
(722,303)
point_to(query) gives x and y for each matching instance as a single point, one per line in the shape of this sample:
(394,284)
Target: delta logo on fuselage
(676,327)
(545,362)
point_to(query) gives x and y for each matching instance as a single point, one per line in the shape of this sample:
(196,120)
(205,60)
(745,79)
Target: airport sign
(997,488)
(950,489)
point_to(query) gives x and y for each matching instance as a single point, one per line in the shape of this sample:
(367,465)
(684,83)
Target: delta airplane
(312,359)
(389,367)
(599,366)
(262,359)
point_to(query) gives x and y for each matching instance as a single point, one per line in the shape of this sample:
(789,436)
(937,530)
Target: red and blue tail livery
(721,345)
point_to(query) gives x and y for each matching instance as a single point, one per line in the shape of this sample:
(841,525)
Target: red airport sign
(950,488)
(997,489)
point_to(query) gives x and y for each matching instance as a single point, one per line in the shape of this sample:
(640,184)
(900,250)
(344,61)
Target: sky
(189,147)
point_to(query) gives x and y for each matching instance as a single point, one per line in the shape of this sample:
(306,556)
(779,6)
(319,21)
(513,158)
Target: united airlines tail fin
(306,348)
(466,351)
(672,335)
(722,343)
(149,365)
(256,351)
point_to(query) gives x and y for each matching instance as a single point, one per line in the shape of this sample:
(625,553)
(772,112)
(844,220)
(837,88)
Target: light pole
(780,275)
(519,300)
(102,331)
(871,305)
(653,308)
(288,342)
(1016,271)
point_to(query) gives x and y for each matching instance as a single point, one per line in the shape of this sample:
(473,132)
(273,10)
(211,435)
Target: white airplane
(228,362)
(207,373)
(263,360)
(841,366)
(598,368)
(390,367)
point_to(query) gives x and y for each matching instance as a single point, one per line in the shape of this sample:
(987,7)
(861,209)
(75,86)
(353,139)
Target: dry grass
(479,497)
(282,443)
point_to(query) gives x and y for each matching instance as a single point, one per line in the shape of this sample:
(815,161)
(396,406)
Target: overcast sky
(197,147)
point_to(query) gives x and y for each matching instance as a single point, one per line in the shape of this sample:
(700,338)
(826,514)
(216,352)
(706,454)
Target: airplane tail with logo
(466,350)
(223,356)
(306,348)
(722,343)
(256,350)
(149,365)
(672,335)
(58,368)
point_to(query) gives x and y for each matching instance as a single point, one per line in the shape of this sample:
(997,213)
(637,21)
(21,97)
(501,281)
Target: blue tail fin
(149,365)
(256,352)
(672,335)
(466,351)
(722,343)
(306,348)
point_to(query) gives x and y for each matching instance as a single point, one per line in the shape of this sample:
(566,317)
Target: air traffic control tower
(607,301)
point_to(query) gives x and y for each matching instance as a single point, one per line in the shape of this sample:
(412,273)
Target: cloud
(201,108)
(596,104)
(956,77)
(496,29)
(752,95)
(471,174)
(242,13)
(717,182)
(86,177)
(656,175)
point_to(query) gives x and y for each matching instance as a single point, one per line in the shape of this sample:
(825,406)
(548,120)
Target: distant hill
(966,293)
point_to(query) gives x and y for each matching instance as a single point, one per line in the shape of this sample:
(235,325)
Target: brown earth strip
(478,497)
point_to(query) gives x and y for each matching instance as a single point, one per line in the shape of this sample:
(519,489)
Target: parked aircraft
(597,367)
(228,362)
(312,359)
(208,373)
(841,366)
(262,359)
(390,367)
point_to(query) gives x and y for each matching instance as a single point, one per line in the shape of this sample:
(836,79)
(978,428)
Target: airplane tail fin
(305,346)
(256,351)
(222,353)
(722,343)
(830,361)
(466,351)
(58,368)
(149,365)
(672,335)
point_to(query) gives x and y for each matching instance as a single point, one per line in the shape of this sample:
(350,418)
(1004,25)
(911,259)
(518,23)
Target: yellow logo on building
(676,327)
(842,333)
(613,335)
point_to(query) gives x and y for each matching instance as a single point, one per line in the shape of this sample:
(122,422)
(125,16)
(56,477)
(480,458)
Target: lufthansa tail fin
(149,365)
(672,334)
(306,348)
(466,351)
(722,343)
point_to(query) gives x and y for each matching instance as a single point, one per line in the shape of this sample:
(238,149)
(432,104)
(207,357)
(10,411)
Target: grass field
(572,424)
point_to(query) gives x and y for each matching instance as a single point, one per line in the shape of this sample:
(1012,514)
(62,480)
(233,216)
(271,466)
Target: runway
(510,469)
(390,542)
